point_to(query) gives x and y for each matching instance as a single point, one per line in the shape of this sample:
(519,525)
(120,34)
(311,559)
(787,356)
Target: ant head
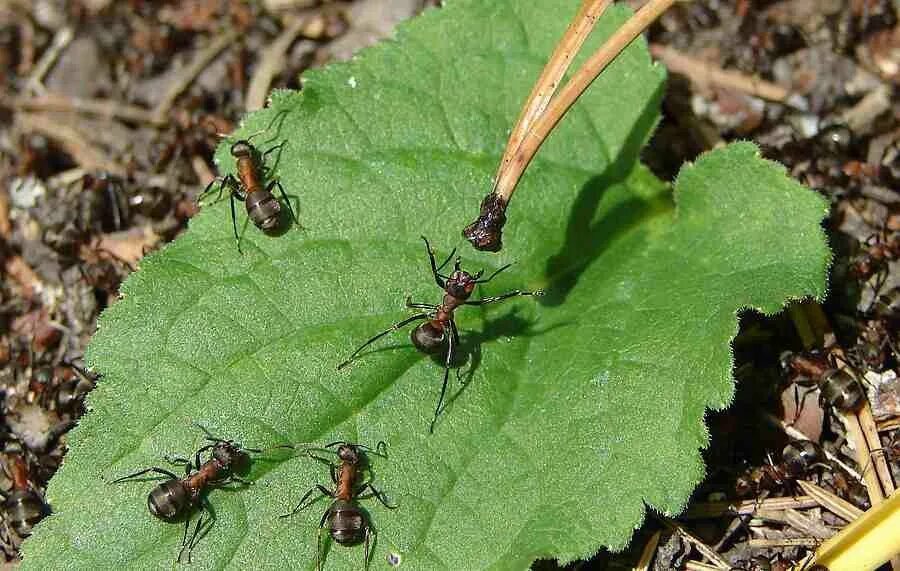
(231,454)
(461,284)
(242,149)
(348,453)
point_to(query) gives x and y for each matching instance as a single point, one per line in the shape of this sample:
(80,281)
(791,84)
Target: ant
(177,497)
(347,523)
(798,458)
(262,206)
(838,387)
(22,506)
(430,336)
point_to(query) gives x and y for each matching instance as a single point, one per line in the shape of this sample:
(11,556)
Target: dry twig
(106,108)
(187,74)
(705,74)
(73,141)
(270,64)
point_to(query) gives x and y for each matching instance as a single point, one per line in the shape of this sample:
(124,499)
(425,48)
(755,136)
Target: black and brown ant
(346,521)
(22,505)
(798,458)
(839,387)
(432,335)
(178,497)
(262,206)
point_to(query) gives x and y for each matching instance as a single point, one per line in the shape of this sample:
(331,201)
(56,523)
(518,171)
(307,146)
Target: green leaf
(580,408)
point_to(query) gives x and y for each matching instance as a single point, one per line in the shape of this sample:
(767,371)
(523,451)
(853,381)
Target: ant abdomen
(800,455)
(428,337)
(840,390)
(23,509)
(263,209)
(169,501)
(346,522)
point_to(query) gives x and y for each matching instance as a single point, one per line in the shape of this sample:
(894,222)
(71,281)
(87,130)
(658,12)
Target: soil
(86,191)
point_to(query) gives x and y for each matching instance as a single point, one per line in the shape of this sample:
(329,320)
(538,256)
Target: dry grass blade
(831,502)
(648,552)
(704,549)
(698,566)
(784,542)
(707,510)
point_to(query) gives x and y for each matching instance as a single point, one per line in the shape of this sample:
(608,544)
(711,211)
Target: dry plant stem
(831,502)
(698,566)
(557,65)
(860,448)
(5,226)
(105,108)
(485,232)
(648,552)
(705,74)
(787,542)
(62,39)
(271,63)
(192,70)
(74,142)
(704,549)
(715,510)
(877,454)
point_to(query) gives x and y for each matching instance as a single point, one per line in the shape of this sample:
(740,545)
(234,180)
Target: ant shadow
(586,239)
(470,347)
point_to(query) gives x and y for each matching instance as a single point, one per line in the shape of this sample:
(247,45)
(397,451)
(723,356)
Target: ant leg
(410,304)
(393,327)
(434,267)
(184,540)
(234,221)
(322,491)
(492,276)
(366,555)
(319,543)
(266,153)
(455,333)
(210,522)
(161,471)
(177,460)
(284,196)
(447,361)
(378,494)
(331,468)
(507,295)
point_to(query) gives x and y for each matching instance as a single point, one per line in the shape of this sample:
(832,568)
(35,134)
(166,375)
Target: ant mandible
(346,521)
(431,336)
(177,498)
(262,206)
